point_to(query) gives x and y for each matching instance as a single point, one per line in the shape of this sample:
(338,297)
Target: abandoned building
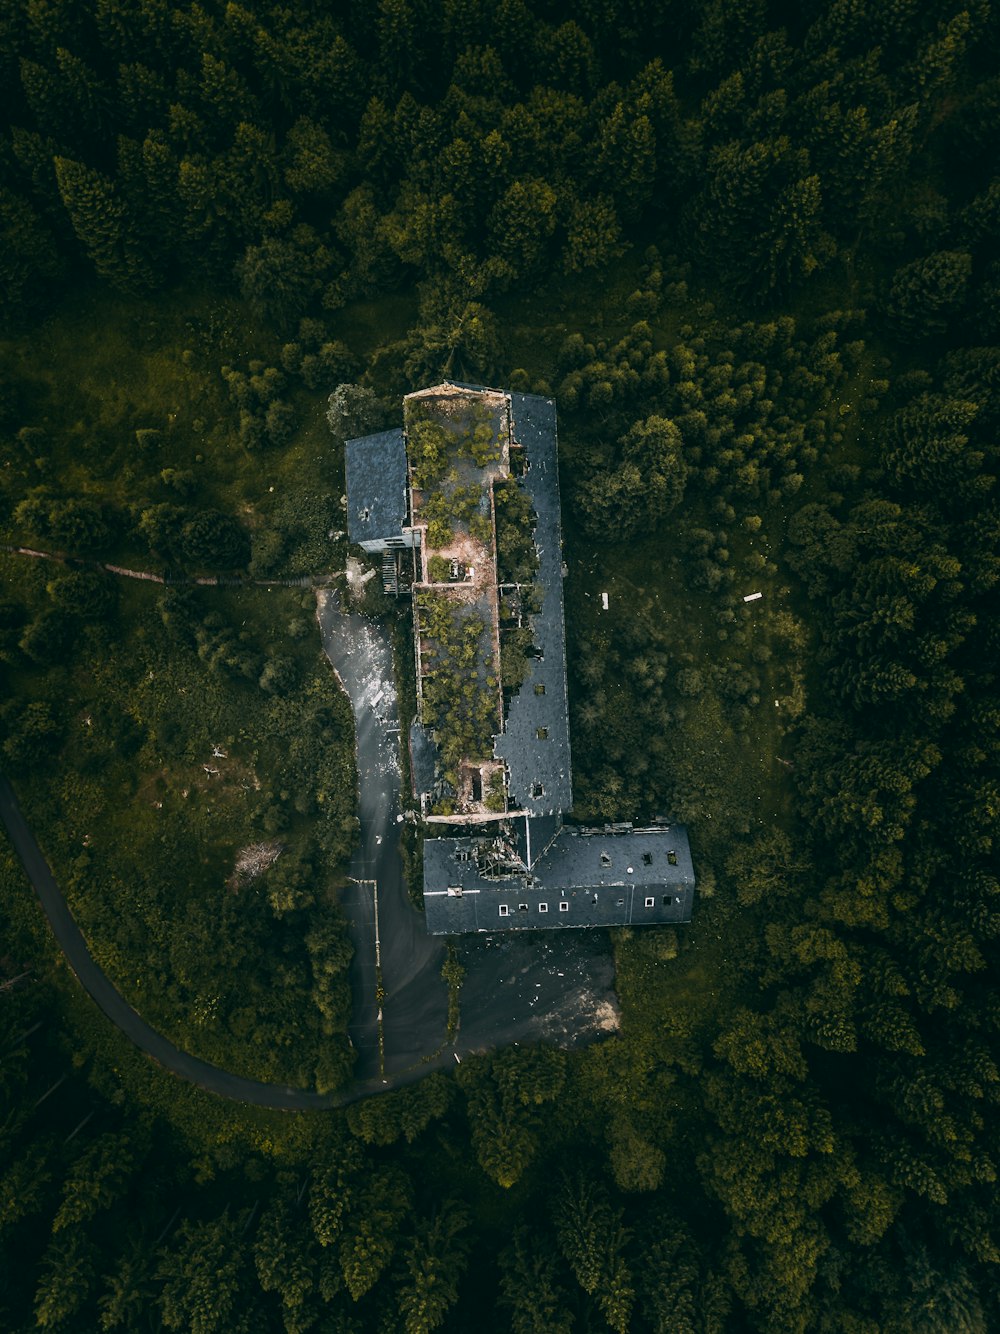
(463,505)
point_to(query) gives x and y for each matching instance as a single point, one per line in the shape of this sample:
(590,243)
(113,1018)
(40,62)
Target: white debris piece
(752,597)
(604,601)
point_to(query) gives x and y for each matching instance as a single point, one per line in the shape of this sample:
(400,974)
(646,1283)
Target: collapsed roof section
(614,876)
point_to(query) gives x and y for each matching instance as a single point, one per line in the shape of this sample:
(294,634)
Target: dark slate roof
(602,858)
(533,760)
(628,892)
(376,486)
(423,758)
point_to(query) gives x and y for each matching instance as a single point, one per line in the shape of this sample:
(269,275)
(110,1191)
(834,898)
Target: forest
(752,250)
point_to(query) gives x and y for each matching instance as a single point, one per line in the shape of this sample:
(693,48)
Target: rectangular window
(504,910)
(650,903)
(667,900)
(522,907)
(542,733)
(537,790)
(647,859)
(621,903)
(605,859)
(672,857)
(563,906)
(543,907)
(540,688)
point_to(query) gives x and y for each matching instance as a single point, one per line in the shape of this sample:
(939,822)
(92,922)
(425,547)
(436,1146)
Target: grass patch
(170,757)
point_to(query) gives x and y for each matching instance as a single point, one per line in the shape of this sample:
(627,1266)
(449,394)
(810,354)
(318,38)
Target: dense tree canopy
(750,248)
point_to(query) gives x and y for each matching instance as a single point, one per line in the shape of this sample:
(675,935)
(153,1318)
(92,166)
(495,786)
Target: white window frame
(543,907)
(563,906)
(504,910)
(650,902)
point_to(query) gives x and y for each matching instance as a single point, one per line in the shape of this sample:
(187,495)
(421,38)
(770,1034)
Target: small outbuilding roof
(376,486)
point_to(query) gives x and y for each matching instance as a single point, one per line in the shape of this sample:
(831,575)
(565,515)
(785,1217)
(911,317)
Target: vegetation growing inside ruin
(458,688)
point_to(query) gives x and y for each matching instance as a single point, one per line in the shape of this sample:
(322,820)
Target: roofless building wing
(471,487)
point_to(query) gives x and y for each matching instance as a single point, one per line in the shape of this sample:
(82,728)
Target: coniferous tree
(100,221)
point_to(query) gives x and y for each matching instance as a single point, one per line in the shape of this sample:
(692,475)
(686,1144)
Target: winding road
(117,1009)
(415,1002)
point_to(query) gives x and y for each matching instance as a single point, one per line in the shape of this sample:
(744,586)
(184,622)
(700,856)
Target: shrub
(439,533)
(278,676)
(279,424)
(690,681)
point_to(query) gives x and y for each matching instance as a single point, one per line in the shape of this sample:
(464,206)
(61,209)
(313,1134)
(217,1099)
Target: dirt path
(205,580)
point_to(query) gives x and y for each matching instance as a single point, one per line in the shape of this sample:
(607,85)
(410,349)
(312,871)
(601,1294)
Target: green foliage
(215,540)
(517,559)
(66,1281)
(794,1127)
(593,235)
(530,1289)
(520,224)
(202,1276)
(280,276)
(645,486)
(454,974)
(458,700)
(926,293)
(439,533)
(368,1246)
(515,649)
(592,1242)
(770,182)
(29,260)
(32,733)
(99,221)
(406,1113)
(434,1266)
(82,593)
(427,445)
(530,1075)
